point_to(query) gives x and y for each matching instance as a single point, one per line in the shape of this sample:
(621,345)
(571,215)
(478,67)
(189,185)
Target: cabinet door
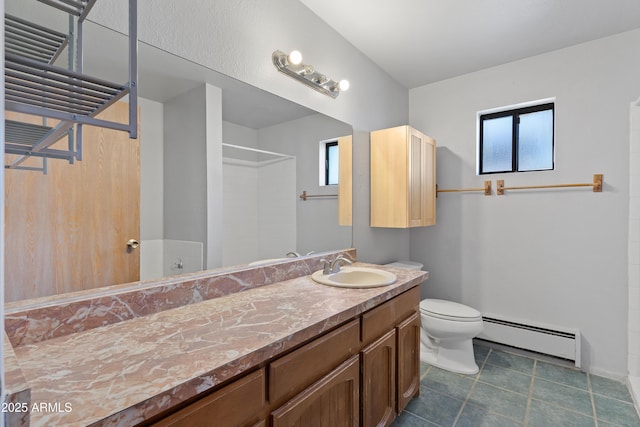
(421,176)
(403,178)
(408,335)
(379,381)
(345,180)
(332,401)
(389,186)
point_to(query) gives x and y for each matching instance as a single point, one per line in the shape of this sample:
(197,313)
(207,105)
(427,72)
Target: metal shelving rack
(34,86)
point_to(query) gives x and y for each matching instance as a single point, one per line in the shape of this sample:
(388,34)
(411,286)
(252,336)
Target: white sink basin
(355,277)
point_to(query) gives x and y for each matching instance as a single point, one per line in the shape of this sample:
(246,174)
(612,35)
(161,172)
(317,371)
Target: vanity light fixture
(292,66)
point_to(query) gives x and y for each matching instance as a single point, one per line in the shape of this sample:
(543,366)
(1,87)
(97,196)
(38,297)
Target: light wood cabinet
(403,178)
(345,180)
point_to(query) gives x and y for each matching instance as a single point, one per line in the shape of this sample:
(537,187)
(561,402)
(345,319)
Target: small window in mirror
(332,163)
(329,162)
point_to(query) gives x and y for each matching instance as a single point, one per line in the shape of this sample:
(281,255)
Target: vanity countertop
(126,372)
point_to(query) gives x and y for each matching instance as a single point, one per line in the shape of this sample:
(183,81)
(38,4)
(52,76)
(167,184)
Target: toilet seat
(449,310)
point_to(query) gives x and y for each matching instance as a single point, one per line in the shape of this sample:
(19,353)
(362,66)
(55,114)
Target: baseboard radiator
(549,340)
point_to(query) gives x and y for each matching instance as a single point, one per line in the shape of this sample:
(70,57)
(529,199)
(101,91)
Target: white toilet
(446,335)
(447,331)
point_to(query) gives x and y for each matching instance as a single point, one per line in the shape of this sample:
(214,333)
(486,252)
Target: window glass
(535,141)
(497,145)
(517,140)
(332,164)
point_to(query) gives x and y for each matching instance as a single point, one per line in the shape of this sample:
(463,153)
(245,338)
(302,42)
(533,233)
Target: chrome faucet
(334,266)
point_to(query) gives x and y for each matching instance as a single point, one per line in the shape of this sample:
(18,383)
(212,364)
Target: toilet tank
(407,265)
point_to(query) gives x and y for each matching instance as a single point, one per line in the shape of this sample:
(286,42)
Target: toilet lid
(449,310)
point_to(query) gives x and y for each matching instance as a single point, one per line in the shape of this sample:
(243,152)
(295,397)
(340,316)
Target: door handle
(132,244)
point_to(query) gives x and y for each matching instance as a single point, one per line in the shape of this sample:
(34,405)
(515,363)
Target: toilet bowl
(447,330)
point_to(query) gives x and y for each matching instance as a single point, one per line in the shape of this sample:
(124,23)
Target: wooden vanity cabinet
(361,373)
(403,178)
(390,358)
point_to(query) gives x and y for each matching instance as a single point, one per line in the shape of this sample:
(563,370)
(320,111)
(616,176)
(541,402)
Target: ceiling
(422,41)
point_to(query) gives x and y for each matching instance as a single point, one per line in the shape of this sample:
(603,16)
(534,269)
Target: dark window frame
(515,114)
(327,147)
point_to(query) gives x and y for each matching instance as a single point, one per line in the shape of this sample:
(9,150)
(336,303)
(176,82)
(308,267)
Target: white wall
(557,257)
(185,197)
(634,252)
(163,257)
(193,170)
(277,216)
(240,213)
(240,200)
(151,133)
(259,203)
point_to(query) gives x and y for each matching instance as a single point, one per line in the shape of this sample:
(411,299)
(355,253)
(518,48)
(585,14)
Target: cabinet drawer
(292,373)
(386,316)
(221,407)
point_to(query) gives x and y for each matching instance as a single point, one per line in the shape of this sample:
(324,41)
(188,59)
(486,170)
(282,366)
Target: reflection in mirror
(262,215)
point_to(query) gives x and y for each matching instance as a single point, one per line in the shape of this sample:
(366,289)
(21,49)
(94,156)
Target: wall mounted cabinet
(403,178)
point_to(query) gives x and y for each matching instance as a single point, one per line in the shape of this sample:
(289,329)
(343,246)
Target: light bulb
(343,84)
(295,57)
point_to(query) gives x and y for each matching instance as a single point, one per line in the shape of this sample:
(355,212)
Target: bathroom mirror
(263,216)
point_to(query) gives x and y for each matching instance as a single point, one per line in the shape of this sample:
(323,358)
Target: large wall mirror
(269,153)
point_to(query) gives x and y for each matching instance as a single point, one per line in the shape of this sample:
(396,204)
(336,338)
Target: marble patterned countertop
(125,372)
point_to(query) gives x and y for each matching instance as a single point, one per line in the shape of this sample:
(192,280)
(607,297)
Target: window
(329,162)
(517,140)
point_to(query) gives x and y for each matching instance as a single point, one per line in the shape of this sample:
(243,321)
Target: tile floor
(517,389)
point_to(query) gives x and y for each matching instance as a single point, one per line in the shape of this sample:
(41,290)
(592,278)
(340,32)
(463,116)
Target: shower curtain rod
(255,150)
